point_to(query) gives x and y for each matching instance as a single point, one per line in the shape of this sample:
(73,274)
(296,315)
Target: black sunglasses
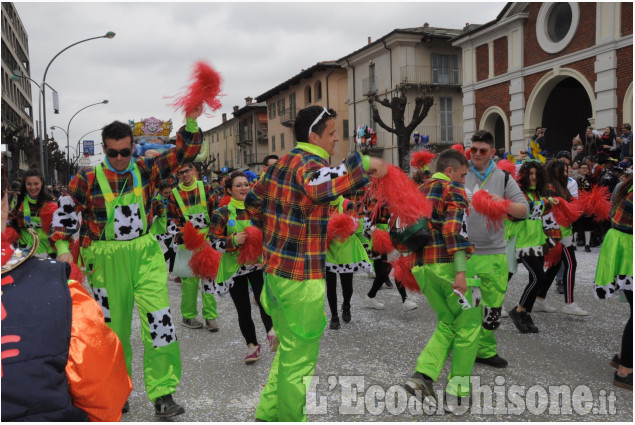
(112,153)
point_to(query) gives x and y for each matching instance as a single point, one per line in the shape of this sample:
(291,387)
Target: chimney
(248,100)
(236,108)
(426,25)
(224,117)
(369,39)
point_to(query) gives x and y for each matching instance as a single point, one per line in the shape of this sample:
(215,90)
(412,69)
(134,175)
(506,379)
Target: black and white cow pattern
(621,283)
(128,224)
(65,215)
(326,174)
(198,220)
(476,296)
(369,227)
(536,211)
(362,266)
(549,221)
(222,288)
(491,317)
(162,329)
(172,228)
(530,251)
(463,232)
(101,296)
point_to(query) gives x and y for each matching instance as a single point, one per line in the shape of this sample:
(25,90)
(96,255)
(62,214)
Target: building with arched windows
(561,66)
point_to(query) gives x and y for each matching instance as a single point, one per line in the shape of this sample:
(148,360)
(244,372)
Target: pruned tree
(205,167)
(397,105)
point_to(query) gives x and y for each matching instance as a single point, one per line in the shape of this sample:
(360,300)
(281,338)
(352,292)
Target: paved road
(378,349)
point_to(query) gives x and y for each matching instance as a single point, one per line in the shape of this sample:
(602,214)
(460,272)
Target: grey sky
(255,46)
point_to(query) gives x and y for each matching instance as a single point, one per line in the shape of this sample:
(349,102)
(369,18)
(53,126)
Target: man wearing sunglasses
(291,204)
(189,202)
(123,260)
(489,260)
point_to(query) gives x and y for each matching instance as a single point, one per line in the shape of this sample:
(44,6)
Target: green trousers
(492,270)
(129,272)
(297,311)
(189,295)
(457,330)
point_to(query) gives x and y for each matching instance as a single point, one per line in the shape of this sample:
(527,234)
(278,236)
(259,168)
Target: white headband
(325,111)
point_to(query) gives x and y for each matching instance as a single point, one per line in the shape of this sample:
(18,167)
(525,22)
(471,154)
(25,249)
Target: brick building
(562,66)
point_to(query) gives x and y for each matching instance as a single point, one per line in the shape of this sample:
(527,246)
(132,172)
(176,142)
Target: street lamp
(77,151)
(108,35)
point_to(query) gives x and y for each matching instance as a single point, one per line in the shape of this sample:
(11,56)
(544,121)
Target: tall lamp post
(108,35)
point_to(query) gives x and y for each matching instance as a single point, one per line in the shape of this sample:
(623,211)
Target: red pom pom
(340,226)
(251,250)
(459,147)
(421,158)
(75,250)
(505,165)
(46,215)
(76,273)
(381,242)
(595,202)
(224,201)
(204,89)
(192,238)
(10,235)
(554,256)
(204,263)
(565,212)
(402,196)
(495,211)
(403,274)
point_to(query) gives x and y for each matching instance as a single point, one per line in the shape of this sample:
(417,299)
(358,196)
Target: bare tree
(397,106)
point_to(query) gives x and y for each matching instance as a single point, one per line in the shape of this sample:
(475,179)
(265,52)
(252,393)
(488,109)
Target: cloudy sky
(255,47)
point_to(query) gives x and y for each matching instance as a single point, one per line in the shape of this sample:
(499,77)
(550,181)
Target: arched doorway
(495,121)
(566,114)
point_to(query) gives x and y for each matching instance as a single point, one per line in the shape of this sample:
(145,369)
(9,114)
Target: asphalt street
(378,349)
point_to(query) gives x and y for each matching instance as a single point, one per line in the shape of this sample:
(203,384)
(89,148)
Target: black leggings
(626,358)
(382,272)
(568,277)
(331,290)
(534,266)
(240,295)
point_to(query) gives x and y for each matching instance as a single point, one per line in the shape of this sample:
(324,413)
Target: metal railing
(287,118)
(442,76)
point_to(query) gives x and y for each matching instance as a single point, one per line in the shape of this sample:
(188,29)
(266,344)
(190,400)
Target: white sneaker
(543,305)
(574,309)
(504,312)
(373,303)
(408,305)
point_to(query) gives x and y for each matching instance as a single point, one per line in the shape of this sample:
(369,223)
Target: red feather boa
(459,147)
(340,226)
(224,201)
(505,165)
(381,242)
(403,274)
(76,273)
(204,89)
(495,211)
(421,158)
(553,256)
(204,262)
(10,235)
(46,215)
(565,212)
(252,248)
(192,238)
(595,202)
(402,196)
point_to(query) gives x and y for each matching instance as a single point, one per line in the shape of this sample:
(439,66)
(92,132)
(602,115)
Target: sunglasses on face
(482,151)
(183,172)
(113,153)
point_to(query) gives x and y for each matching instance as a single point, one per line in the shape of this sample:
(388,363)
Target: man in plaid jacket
(290,203)
(124,260)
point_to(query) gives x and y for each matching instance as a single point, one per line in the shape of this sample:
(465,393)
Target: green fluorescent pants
(189,295)
(492,269)
(297,311)
(125,272)
(457,329)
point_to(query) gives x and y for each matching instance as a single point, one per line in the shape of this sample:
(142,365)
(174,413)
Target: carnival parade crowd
(76,260)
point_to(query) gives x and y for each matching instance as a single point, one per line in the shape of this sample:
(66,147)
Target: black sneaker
(529,322)
(388,283)
(615,361)
(494,361)
(560,286)
(519,320)
(623,381)
(421,386)
(587,248)
(126,407)
(166,407)
(335,323)
(346,313)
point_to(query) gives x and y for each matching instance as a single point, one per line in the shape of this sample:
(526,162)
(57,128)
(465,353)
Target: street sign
(89,147)
(84,161)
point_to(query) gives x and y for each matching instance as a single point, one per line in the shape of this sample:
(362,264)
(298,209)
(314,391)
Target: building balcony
(440,136)
(427,75)
(254,159)
(287,118)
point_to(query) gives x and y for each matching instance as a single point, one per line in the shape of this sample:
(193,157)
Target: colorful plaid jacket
(218,229)
(447,224)
(290,203)
(189,198)
(622,214)
(85,195)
